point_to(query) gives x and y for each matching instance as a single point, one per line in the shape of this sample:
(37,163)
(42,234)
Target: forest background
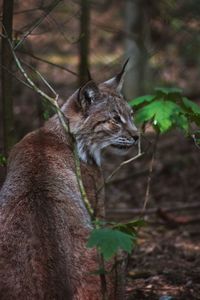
(62,39)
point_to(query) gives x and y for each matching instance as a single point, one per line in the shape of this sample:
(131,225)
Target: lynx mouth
(122,146)
(124,143)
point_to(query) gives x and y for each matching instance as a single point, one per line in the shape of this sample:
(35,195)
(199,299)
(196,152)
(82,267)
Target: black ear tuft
(89,75)
(88,94)
(117,81)
(120,76)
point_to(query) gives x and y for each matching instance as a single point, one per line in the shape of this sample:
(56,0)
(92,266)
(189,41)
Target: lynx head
(99,117)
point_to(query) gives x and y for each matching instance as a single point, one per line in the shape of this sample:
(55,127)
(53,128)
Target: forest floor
(165,263)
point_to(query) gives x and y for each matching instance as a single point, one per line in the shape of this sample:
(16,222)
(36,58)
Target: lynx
(44,224)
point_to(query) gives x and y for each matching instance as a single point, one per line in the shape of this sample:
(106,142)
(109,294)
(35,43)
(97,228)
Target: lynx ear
(117,81)
(88,94)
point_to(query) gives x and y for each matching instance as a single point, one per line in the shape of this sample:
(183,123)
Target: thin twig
(31,83)
(63,34)
(37,22)
(49,63)
(16,77)
(41,77)
(103,278)
(62,118)
(150,173)
(195,141)
(28,10)
(129,177)
(154,210)
(121,165)
(80,182)
(140,153)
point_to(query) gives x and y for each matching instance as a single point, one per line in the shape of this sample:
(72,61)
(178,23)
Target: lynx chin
(44,225)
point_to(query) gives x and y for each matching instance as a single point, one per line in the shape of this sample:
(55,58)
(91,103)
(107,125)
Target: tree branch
(6,78)
(150,172)
(49,62)
(195,141)
(62,119)
(154,210)
(16,77)
(41,77)
(37,22)
(140,153)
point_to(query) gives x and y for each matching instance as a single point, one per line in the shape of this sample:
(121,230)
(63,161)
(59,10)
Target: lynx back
(44,224)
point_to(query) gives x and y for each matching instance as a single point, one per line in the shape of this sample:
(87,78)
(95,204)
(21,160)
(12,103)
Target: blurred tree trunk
(137,35)
(84,41)
(6,78)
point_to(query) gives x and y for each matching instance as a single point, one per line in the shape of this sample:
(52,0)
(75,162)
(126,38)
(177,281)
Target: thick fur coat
(44,224)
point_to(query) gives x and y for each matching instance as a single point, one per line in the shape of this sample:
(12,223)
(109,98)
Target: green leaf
(140,100)
(191,106)
(167,91)
(144,114)
(161,112)
(109,241)
(181,121)
(192,109)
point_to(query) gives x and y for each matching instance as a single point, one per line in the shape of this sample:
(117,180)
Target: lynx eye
(117,118)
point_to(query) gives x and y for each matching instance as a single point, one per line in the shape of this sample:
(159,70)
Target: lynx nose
(135,137)
(133,131)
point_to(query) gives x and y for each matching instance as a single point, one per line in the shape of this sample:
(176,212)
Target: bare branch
(50,63)
(129,177)
(6,78)
(37,22)
(108,179)
(152,211)
(125,162)
(80,182)
(150,172)
(28,10)
(195,141)
(16,77)
(69,39)
(41,77)
(31,83)
(62,119)
(121,165)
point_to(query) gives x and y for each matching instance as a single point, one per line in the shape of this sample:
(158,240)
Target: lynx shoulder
(44,224)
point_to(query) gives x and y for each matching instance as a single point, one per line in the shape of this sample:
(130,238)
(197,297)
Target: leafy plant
(108,240)
(166,108)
